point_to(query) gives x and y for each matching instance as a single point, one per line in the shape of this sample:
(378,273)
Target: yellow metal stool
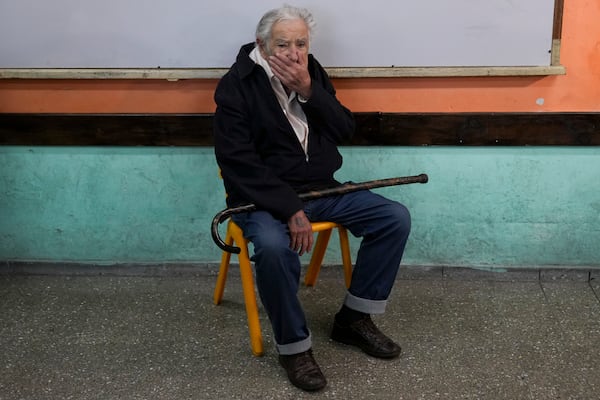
(235,236)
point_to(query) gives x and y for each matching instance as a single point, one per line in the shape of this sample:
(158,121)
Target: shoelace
(306,365)
(367,326)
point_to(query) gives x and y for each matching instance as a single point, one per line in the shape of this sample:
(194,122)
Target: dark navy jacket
(260,157)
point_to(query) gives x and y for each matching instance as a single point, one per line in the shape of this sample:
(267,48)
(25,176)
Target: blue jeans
(384,226)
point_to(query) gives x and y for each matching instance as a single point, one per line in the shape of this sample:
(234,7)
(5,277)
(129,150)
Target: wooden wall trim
(485,129)
(175,74)
(373,129)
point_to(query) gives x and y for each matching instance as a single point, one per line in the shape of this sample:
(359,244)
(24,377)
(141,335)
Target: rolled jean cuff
(365,305)
(296,347)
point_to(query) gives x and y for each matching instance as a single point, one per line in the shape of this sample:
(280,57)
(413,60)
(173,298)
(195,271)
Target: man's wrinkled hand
(292,74)
(301,234)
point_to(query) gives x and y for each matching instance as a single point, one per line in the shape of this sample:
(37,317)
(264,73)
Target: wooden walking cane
(311,195)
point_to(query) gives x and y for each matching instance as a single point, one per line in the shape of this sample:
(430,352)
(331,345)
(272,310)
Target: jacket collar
(245,64)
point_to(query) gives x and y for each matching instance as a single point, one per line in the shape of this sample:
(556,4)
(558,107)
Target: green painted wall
(490,206)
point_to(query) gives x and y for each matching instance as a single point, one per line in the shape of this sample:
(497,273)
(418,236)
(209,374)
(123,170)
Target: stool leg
(346,260)
(249,297)
(223,268)
(251,307)
(317,257)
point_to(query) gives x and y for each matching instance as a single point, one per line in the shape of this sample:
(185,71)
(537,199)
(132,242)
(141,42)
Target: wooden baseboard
(373,129)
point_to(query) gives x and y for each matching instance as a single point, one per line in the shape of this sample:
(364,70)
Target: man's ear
(263,48)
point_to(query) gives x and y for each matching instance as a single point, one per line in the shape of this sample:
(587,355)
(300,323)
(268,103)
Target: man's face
(289,38)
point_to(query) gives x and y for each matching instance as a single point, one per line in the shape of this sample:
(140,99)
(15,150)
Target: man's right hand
(301,234)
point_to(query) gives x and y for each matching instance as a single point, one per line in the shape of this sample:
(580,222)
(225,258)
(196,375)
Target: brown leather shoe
(303,371)
(365,335)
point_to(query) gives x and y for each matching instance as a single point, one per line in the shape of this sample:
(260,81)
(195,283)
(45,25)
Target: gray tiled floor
(465,335)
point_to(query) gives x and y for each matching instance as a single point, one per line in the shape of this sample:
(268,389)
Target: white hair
(285,13)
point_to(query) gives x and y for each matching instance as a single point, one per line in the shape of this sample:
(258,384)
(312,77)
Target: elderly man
(277,126)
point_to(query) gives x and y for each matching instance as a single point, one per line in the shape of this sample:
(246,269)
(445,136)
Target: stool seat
(235,236)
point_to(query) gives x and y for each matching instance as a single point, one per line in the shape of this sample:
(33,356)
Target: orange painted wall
(578,90)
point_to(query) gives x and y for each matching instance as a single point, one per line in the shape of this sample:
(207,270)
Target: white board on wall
(208,33)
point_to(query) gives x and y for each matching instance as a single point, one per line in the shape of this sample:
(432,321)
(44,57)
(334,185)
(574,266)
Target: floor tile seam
(594,291)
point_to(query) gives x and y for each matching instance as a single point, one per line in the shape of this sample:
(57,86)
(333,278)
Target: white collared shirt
(289,103)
